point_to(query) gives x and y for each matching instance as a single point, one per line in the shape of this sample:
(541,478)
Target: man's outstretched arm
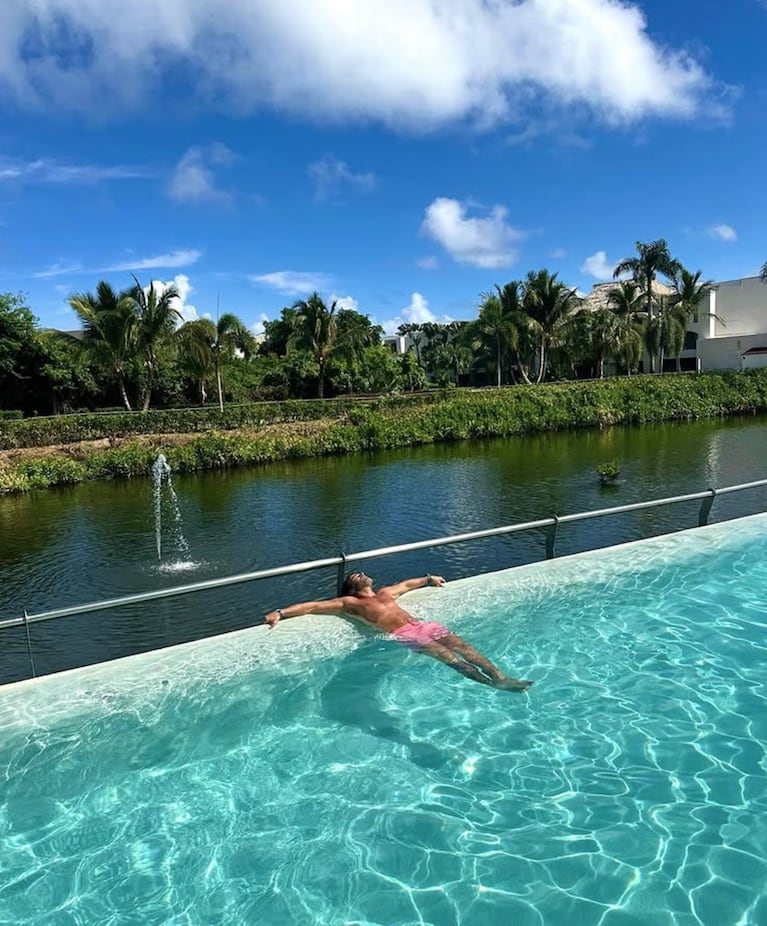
(410,584)
(331,606)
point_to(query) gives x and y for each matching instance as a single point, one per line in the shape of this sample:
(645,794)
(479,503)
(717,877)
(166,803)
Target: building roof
(597,298)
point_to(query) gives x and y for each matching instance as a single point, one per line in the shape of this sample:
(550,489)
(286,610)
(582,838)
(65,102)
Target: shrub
(352,426)
(608,472)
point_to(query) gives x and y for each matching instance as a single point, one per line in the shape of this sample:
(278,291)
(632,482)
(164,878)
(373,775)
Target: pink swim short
(417,634)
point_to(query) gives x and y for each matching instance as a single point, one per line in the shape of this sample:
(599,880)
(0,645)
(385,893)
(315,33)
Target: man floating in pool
(380,611)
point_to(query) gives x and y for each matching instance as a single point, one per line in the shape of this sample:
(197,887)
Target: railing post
(29,644)
(705,508)
(551,538)
(341,574)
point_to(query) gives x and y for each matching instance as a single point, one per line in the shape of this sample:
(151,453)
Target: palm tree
(416,336)
(763,272)
(672,331)
(511,297)
(548,303)
(316,328)
(196,339)
(626,302)
(450,352)
(685,303)
(156,321)
(109,322)
(600,331)
(203,345)
(651,259)
(355,333)
(496,328)
(230,335)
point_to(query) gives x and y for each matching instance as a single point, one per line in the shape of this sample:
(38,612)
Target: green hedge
(391,423)
(68,429)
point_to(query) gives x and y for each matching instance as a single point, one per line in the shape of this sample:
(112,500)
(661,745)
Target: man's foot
(512,684)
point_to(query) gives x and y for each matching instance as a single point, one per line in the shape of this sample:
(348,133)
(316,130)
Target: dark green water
(66,546)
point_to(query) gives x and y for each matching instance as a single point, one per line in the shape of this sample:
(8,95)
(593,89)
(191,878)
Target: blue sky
(403,156)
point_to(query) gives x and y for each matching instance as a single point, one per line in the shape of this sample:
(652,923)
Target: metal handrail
(551,523)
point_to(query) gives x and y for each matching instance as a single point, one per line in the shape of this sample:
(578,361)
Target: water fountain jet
(161,476)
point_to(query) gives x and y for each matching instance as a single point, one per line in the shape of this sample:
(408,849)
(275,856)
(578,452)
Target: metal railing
(550,524)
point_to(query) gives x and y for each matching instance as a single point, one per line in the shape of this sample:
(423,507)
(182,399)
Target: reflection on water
(75,544)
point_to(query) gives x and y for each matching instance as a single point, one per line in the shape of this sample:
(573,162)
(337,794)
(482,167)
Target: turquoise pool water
(317,775)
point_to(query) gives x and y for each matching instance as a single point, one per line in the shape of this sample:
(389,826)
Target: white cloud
(292,282)
(559,253)
(47,171)
(59,269)
(482,242)
(346,302)
(331,176)
(723,232)
(417,312)
(258,327)
(183,258)
(185,288)
(193,180)
(169,261)
(428,263)
(598,266)
(457,59)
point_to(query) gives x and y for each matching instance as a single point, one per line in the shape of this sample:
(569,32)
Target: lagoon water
(71,545)
(317,775)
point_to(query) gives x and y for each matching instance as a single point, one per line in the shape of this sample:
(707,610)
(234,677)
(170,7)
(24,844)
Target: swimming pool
(317,775)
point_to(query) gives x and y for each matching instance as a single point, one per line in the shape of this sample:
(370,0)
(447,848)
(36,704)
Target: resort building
(732,333)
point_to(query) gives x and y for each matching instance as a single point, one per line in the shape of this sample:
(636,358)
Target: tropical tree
(17,347)
(316,328)
(496,330)
(685,303)
(523,348)
(416,333)
(651,259)
(354,334)
(595,335)
(548,303)
(156,319)
(449,351)
(279,332)
(109,330)
(63,374)
(413,375)
(435,357)
(195,340)
(763,272)
(205,346)
(689,292)
(231,336)
(626,301)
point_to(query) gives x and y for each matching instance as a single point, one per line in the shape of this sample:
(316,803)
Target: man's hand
(437,581)
(273,618)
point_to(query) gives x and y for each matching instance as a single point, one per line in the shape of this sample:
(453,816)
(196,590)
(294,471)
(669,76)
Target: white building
(732,330)
(730,333)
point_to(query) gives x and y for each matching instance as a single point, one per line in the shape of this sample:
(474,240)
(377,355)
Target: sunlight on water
(316,774)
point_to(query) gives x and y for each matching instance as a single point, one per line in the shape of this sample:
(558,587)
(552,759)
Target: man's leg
(498,679)
(443,654)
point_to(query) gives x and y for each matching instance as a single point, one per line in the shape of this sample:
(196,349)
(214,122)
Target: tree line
(135,350)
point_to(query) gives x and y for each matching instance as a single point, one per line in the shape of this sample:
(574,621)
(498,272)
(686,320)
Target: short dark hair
(353,582)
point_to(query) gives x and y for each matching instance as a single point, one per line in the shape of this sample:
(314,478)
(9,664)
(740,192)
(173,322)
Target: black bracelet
(428,579)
